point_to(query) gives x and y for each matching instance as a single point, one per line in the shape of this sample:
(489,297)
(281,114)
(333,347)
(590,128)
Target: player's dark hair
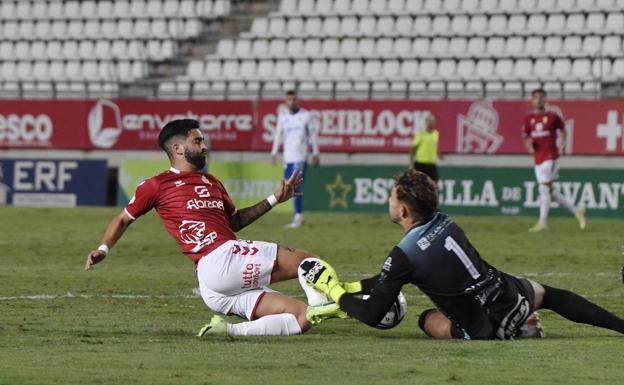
(175,128)
(291,93)
(418,191)
(538,91)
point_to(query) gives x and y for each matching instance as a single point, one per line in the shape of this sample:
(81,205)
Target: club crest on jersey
(423,243)
(194,233)
(202,191)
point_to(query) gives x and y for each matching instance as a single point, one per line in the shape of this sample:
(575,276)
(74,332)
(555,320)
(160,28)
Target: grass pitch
(133,319)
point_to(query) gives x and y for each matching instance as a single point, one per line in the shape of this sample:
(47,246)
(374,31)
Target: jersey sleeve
(277,136)
(417,139)
(395,272)
(559,125)
(312,134)
(526,130)
(144,199)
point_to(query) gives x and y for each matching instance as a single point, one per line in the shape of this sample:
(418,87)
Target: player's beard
(197,159)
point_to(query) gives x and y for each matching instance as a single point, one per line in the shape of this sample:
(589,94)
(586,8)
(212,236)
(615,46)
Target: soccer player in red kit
(539,131)
(198,213)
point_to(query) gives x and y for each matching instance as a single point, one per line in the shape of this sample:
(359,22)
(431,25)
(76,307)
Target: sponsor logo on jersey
(423,243)
(251,275)
(194,233)
(196,204)
(179,183)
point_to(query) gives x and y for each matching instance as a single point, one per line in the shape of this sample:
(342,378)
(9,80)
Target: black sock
(576,308)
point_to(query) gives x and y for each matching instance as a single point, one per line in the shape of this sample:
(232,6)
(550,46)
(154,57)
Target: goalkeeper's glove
(353,287)
(322,277)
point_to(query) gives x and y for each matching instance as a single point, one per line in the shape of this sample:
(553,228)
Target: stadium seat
(460,24)
(441,24)
(213,69)
(562,68)
(359,7)
(331,26)
(572,44)
(301,69)
(543,68)
(396,6)
(615,22)
(575,22)
(195,69)
(390,69)
(313,26)
(523,69)
(409,69)
(349,47)
(277,47)
(428,68)
(476,45)
(595,22)
(295,26)
(259,48)
(349,26)
(422,25)
(514,46)
(553,44)
(294,47)
(312,47)
(403,47)
(335,69)
(612,45)
(384,47)
(504,68)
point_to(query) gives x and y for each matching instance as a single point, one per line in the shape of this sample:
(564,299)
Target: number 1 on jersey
(451,245)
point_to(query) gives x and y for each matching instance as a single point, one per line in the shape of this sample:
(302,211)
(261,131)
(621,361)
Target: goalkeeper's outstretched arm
(383,289)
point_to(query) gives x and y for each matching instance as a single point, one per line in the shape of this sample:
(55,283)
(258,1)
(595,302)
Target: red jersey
(194,208)
(542,128)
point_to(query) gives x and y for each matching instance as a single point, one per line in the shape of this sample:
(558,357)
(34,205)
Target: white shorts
(547,171)
(233,277)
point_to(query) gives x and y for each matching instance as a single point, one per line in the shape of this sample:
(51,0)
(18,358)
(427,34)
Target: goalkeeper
(474,300)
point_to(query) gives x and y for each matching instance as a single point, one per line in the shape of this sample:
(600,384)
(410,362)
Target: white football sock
(314,297)
(284,324)
(544,203)
(563,201)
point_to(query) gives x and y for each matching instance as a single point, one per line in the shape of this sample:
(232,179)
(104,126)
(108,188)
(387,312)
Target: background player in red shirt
(539,131)
(198,213)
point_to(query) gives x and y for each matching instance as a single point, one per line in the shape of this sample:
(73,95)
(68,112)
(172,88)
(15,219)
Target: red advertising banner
(480,127)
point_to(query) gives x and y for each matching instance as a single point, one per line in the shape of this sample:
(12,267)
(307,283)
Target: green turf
(98,332)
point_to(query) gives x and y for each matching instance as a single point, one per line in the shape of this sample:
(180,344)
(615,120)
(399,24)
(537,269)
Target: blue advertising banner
(52,183)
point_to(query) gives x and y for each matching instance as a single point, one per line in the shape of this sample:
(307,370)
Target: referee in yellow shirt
(425,151)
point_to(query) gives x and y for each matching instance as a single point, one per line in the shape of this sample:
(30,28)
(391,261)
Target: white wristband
(104,248)
(272,200)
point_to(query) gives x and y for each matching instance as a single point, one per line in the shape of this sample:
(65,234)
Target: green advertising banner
(465,190)
(247,183)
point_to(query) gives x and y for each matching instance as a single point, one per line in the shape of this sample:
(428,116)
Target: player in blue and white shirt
(296,129)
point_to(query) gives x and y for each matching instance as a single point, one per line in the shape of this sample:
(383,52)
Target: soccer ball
(395,315)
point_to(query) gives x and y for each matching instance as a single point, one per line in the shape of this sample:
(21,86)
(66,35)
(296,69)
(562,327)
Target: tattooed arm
(244,217)
(248,215)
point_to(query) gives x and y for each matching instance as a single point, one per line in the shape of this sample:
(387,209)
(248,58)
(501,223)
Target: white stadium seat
(404,25)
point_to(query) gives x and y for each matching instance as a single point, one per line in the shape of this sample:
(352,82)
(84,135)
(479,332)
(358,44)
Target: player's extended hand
(322,277)
(96,256)
(286,189)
